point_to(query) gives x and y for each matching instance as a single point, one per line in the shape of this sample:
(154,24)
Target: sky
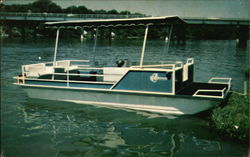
(182,8)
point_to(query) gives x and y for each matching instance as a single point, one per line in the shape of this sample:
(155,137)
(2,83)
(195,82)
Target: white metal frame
(190,61)
(56,45)
(212,81)
(144,45)
(210,90)
(228,81)
(173,80)
(157,68)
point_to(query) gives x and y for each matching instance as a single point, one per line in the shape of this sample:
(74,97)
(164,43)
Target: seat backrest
(33,70)
(113,74)
(63,64)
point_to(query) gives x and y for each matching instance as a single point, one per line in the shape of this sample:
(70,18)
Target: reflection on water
(32,127)
(82,130)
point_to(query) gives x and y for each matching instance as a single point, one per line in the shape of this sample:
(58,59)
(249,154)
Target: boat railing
(70,74)
(42,67)
(221,80)
(190,61)
(221,93)
(161,66)
(170,66)
(215,80)
(103,77)
(70,62)
(67,78)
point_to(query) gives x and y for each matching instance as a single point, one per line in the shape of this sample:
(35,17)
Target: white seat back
(33,70)
(113,74)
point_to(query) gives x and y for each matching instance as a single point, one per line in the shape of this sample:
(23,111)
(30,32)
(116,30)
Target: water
(47,129)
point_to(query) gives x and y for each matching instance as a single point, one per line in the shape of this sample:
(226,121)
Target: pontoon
(163,88)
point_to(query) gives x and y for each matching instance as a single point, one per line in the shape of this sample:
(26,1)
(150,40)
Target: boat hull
(164,104)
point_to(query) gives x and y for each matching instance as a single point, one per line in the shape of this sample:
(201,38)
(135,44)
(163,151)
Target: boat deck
(167,79)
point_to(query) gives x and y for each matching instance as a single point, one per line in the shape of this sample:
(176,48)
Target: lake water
(31,128)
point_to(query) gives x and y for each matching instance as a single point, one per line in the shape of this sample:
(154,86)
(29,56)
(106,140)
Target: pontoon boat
(161,88)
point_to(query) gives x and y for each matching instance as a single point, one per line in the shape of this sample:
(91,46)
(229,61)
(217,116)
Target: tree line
(47,6)
(192,32)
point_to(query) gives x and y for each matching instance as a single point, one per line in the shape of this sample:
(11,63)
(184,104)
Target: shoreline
(232,120)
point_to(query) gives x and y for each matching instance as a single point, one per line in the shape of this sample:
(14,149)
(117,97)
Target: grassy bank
(233,119)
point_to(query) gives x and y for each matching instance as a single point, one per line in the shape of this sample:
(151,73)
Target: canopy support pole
(82,38)
(55,51)
(56,45)
(170,36)
(144,45)
(94,49)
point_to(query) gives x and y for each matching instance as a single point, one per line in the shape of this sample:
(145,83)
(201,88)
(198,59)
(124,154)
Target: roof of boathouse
(163,20)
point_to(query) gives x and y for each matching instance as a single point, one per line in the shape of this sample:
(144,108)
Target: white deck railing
(216,80)
(222,80)
(33,71)
(222,91)
(108,75)
(228,80)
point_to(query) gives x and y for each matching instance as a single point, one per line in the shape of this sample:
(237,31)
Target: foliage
(233,119)
(39,6)
(125,12)
(100,12)
(47,6)
(192,32)
(16,8)
(77,10)
(113,11)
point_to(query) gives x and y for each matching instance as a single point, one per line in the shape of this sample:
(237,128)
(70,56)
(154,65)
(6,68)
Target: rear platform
(204,89)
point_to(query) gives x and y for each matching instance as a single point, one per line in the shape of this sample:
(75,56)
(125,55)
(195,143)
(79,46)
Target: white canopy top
(163,20)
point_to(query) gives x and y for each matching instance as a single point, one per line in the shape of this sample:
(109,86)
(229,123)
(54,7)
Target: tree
(71,9)
(17,8)
(41,5)
(82,10)
(2,7)
(90,11)
(45,6)
(125,12)
(100,12)
(113,11)
(53,8)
